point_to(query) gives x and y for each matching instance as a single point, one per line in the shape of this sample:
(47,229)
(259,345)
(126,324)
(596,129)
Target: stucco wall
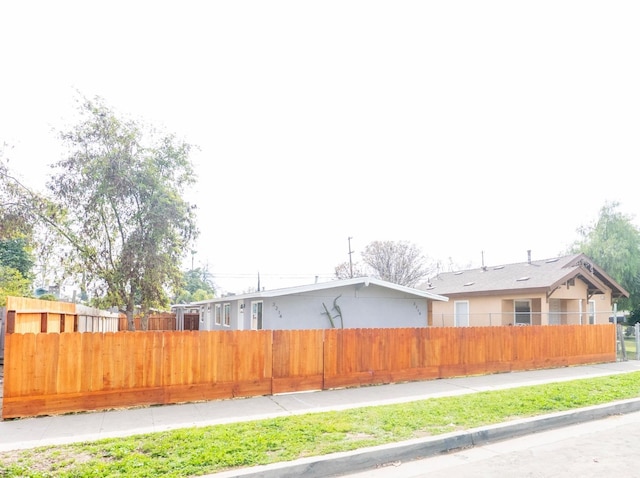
(499,310)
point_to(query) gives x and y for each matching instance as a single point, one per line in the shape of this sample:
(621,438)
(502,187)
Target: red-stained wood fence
(165,321)
(69,372)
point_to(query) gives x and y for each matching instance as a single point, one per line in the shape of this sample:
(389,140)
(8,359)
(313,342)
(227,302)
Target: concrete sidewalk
(33,432)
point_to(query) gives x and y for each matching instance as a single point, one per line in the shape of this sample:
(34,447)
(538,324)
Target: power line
(240,275)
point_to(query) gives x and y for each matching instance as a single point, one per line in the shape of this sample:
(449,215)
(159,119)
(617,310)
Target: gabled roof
(544,275)
(356,281)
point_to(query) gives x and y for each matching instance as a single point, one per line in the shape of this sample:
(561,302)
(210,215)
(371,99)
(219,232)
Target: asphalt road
(607,447)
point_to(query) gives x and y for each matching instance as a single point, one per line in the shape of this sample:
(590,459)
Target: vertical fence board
(87,362)
(69,364)
(109,357)
(48,349)
(297,360)
(15,368)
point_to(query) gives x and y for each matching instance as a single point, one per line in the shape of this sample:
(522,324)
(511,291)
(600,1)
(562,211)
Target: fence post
(10,326)
(622,348)
(637,336)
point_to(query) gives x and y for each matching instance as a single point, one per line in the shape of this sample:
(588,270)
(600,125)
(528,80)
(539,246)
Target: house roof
(356,281)
(543,275)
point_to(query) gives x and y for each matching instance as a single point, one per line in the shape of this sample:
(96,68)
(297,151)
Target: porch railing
(533,318)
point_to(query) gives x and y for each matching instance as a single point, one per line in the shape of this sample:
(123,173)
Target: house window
(592,312)
(522,310)
(218,314)
(256,315)
(461,313)
(227,315)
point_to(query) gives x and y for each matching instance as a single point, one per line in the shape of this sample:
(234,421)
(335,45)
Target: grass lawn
(630,346)
(198,451)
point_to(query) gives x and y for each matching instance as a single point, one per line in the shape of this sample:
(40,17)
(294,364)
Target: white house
(361,302)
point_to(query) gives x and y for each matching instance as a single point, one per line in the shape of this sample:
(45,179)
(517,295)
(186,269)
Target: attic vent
(457,273)
(520,279)
(548,261)
(497,268)
(469,283)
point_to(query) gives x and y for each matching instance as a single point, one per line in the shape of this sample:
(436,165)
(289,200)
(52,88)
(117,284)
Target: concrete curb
(338,464)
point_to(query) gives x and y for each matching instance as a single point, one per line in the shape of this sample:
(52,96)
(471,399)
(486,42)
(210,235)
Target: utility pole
(350,262)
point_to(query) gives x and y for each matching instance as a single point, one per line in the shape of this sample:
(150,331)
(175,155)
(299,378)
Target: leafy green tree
(400,262)
(13,283)
(16,253)
(201,294)
(16,228)
(117,201)
(14,206)
(198,279)
(613,242)
(196,286)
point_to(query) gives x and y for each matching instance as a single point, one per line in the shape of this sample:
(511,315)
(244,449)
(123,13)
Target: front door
(461,312)
(256,315)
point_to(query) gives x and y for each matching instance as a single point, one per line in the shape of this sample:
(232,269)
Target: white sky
(460,126)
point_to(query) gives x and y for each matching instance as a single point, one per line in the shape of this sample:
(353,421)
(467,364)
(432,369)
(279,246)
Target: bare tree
(343,270)
(399,262)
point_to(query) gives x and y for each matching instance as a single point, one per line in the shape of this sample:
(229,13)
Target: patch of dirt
(55,460)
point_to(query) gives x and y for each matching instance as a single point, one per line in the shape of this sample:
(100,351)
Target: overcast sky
(461,126)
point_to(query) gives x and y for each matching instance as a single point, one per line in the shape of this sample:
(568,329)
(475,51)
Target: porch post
(544,312)
(580,310)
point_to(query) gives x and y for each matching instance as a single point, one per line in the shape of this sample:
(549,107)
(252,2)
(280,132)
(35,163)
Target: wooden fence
(68,372)
(166,321)
(26,315)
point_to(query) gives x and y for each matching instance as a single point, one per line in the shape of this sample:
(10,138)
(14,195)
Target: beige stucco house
(561,290)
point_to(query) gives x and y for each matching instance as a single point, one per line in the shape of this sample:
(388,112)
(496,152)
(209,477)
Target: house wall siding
(361,307)
(364,307)
(499,309)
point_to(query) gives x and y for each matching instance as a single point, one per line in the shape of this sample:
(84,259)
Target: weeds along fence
(68,372)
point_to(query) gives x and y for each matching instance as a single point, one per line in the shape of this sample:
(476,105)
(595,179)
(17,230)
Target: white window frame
(461,317)
(218,314)
(226,314)
(516,313)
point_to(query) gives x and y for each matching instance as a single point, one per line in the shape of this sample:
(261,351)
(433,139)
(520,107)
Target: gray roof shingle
(546,274)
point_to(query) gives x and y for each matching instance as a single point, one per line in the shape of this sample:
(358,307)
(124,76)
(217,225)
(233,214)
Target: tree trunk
(144,322)
(131,325)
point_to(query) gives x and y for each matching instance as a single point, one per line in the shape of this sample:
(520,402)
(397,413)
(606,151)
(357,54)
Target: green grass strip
(198,451)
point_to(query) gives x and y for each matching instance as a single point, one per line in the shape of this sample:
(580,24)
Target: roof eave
(362,281)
